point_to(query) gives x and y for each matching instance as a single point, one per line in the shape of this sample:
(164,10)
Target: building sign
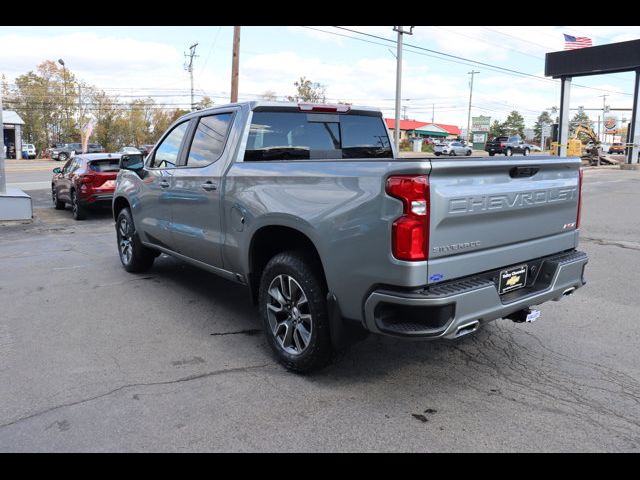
(479,137)
(610,123)
(480,124)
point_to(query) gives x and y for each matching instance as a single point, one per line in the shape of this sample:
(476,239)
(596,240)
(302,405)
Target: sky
(139,61)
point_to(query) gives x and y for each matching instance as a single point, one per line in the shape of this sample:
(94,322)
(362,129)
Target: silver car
(452,149)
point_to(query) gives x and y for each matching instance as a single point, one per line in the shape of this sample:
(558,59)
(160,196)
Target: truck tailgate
(488,213)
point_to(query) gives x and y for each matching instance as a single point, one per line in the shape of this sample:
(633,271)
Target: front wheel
(508,152)
(57,204)
(491,154)
(63,157)
(134,256)
(437,154)
(469,152)
(292,301)
(452,153)
(526,152)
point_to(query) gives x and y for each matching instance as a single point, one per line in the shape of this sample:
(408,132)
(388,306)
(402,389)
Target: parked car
(129,150)
(85,181)
(452,148)
(146,149)
(28,150)
(616,148)
(65,151)
(507,145)
(95,148)
(307,206)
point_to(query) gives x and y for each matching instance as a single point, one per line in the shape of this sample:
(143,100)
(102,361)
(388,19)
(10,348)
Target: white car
(452,149)
(30,149)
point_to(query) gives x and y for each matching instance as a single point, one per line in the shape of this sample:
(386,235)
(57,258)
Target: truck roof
(253,104)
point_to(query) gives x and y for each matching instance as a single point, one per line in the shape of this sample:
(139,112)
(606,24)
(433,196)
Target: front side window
(209,140)
(166,155)
(286,135)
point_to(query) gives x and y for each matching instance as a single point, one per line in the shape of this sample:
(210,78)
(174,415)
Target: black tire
(57,204)
(134,256)
(452,153)
(301,354)
(63,157)
(526,152)
(469,152)
(437,154)
(77,209)
(508,152)
(491,154)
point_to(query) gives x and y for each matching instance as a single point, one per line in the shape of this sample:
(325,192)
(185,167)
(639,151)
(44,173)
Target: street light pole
(396,129)
(64,86)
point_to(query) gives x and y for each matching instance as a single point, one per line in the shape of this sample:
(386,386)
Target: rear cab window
(294,135)
(106,165)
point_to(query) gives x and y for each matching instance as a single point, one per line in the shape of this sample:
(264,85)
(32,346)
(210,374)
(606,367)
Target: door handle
(209,186)
(164,184)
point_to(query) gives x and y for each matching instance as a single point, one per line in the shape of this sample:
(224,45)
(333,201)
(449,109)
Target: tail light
(86,178)
(410,232)
(579,199)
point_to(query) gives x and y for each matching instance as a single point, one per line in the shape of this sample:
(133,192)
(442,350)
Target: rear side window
(166,155)
(107,165)
(209,139)
(310,136)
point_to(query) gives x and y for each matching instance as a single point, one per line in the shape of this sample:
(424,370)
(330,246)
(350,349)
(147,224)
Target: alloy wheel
(289,316)
(125,247)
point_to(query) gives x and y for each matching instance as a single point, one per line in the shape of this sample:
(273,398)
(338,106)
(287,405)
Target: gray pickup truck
(310,208)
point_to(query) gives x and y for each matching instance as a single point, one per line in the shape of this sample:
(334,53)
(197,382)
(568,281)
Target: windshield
(286,135)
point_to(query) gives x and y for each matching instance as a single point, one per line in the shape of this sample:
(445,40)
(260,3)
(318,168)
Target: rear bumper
(98,199)
(443,310)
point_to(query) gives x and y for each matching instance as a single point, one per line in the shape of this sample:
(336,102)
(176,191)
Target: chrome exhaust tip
(467,328)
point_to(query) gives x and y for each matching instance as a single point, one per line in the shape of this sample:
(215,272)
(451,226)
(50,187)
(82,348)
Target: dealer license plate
(512,279)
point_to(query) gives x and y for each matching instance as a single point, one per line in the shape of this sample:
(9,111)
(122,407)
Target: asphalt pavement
(96,359)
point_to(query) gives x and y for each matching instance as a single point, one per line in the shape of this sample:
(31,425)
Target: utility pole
(189,67)
(3,179)
(235,64)
(396,131)
(64,86)
(472,73)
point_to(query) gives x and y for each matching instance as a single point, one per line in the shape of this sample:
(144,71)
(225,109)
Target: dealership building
(12,133)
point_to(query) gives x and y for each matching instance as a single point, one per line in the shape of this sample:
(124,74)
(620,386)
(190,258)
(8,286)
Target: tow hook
(524,315)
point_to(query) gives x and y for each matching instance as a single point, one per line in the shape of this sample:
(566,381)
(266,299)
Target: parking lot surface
(95,359)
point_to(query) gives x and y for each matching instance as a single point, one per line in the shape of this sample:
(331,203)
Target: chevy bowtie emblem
(513,280)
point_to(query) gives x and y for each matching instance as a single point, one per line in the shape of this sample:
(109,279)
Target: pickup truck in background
(507,145)
(310,207)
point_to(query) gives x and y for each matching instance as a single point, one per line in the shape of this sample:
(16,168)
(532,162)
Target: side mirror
(57,170)
(132,161)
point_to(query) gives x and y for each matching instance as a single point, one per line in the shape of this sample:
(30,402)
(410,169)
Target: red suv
(85,181)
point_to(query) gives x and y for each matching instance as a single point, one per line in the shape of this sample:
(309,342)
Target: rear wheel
(63,157)
(79,211)
(452,153)
(491,154)
(508,152)
(57,204)
(437,154)
(526,152)
(134,256)
(469,152)
(292,301)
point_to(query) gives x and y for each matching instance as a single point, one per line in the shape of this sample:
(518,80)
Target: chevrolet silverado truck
(310,207)
(507,145)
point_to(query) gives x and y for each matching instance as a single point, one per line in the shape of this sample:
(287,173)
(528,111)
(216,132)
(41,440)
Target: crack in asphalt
(535,378)
(130,385)
(613,243)
(248,331)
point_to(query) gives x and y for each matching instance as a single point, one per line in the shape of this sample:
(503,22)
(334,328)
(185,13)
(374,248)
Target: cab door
(196,205)
(152,213)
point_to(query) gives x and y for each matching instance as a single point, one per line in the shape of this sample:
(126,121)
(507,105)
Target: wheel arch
(119,203)
(269,240)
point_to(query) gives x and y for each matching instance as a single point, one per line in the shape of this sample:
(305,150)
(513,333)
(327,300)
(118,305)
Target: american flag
(572,43)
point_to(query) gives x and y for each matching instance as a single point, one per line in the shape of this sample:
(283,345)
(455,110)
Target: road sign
(546,130)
